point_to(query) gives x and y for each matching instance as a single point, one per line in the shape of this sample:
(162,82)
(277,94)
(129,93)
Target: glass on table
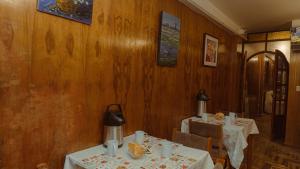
(139,137)
(167,148)
(112,147)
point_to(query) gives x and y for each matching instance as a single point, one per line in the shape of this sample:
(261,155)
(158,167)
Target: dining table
(182,157)
(235,135)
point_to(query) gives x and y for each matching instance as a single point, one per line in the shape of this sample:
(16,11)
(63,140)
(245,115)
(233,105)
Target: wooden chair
(42,166)
(220,162)
(219,166)
(191,140)
(213,131)
(272,165)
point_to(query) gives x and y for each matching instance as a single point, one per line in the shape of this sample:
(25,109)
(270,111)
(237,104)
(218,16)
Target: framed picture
(168,40)
(77,10)
(295,39)
(210,53)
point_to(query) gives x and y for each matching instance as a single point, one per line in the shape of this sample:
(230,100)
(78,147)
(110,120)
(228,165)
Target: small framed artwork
(77,10)
(168,40)
(295,39)
(210,52)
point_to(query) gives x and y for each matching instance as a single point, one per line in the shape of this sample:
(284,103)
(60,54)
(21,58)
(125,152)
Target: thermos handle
(115,116)
(109,106)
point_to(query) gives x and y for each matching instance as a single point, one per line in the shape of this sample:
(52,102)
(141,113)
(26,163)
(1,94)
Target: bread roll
(136,150)
(219,116)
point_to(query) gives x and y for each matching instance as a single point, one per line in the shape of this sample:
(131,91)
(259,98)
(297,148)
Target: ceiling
(260,15)
(249,16)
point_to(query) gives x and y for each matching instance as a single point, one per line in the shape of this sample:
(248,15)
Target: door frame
(244,70)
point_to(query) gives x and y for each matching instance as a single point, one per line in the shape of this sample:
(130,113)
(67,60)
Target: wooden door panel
(281,74)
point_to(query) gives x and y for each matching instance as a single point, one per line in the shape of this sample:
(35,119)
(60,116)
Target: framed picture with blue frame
(169,39)
(77,10)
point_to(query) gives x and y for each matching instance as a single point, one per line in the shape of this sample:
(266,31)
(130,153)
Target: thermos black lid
(114,117)
(201,96)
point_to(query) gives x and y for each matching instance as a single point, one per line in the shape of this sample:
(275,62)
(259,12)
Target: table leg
(249,152)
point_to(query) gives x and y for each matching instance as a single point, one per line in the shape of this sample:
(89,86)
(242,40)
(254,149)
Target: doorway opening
(265,92)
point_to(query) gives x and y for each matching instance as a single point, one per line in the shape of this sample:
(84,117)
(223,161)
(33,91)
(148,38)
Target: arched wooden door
(280,96)
(280,92)
(255,82)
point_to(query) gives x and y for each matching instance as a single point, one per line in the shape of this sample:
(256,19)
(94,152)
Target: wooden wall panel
(57,76)
(15,48)
(292,124)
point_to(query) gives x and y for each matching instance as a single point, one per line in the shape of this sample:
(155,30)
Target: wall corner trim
(216,14)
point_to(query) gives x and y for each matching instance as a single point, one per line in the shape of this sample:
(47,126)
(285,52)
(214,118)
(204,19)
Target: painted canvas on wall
(210,54)
(295,35)
(295,39)
(77,10)
(169,40)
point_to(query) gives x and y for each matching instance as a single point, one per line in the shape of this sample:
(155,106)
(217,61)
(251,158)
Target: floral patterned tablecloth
(182,157)
(235,136)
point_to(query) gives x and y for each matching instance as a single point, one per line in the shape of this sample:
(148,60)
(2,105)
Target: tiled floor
(267,153)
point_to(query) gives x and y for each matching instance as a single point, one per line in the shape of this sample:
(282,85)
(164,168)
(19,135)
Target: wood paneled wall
(57,76)
(293,115)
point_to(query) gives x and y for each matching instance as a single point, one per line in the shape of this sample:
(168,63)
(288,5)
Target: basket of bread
(136,151)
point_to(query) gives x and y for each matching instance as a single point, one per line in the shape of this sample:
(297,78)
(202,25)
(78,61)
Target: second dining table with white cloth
(182,157)
(235,135)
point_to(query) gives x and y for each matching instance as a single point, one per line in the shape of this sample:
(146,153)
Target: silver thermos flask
(113,124)
(202,98)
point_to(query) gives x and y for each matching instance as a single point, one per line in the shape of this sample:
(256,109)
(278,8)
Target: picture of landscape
(169,40)
(295,38)
(78,10)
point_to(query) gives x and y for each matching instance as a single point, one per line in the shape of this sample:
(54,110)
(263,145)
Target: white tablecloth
(183,157)
(235,136)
